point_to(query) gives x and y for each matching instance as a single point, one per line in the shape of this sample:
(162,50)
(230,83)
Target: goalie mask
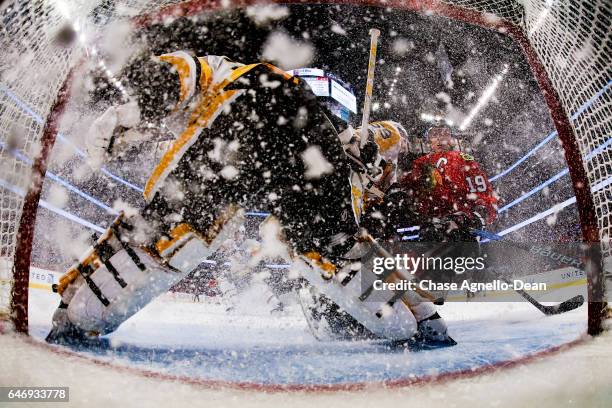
(390,137)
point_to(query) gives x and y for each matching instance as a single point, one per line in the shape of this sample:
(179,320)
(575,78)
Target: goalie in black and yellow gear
(251,136)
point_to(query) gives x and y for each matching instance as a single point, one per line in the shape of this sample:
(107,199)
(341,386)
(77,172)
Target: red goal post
(567,44)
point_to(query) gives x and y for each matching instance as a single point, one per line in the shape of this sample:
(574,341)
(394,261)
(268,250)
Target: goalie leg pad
(115,279)
(394,318)
(421,307)
(101,303)
(394,322)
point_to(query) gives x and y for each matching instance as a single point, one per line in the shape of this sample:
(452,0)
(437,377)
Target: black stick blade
(566,306)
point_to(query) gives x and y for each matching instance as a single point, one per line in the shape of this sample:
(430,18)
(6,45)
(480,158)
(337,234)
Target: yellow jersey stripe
(167,159)
(205,76)
(210,104)
(184,71)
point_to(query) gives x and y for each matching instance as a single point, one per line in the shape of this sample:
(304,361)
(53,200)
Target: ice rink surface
(248,344)
(177,352)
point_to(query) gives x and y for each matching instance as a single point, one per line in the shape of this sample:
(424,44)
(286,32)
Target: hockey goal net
(567,43)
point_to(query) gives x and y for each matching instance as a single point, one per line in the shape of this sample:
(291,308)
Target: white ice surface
(579,376)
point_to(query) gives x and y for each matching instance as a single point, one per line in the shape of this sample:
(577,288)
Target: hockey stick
(374,34)
(559,308)
(372,185)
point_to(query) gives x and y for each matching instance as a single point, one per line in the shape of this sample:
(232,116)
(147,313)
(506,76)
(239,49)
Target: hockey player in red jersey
(449,189)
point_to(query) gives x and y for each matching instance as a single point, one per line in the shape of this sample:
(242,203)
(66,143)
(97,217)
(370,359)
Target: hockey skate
(432,334)
(64,331)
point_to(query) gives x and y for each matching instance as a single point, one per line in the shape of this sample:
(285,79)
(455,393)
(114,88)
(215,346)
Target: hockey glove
(430,178)
(103,131)
(369,153)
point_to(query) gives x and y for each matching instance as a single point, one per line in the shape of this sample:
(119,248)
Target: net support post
(27,222)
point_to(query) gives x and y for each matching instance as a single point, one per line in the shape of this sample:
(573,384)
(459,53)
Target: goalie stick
(565,306)
(374,34)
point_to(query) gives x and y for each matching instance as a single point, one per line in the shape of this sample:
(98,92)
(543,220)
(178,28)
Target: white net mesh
(32,71)
(571,39)
(509,10)
(35,61)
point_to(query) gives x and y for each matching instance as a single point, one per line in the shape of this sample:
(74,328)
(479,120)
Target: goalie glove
(369,154)
(362,159)
(103,131)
